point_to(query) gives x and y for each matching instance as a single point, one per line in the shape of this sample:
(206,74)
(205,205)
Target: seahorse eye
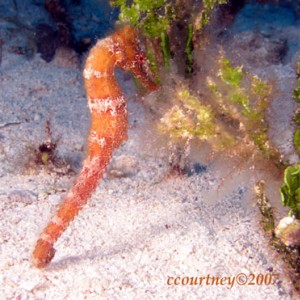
(140,58)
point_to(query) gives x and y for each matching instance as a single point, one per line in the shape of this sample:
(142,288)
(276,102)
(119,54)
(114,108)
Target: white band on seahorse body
(106,104)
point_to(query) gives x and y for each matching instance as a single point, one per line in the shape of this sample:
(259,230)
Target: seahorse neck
(99,71)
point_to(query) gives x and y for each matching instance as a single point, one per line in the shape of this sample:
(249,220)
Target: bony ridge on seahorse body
(108,126)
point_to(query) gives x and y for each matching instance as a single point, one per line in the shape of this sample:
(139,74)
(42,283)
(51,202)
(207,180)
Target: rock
(66,57)
(123,166)
(46,41)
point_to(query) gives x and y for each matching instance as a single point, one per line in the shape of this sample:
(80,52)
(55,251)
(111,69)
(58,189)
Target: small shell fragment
(288,231)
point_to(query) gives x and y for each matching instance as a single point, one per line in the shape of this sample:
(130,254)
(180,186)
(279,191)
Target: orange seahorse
(108,126)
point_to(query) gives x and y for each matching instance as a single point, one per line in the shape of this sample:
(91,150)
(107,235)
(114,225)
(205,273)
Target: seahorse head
(132,58)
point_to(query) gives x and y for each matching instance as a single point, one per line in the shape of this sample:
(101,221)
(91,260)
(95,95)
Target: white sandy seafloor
(138,230)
